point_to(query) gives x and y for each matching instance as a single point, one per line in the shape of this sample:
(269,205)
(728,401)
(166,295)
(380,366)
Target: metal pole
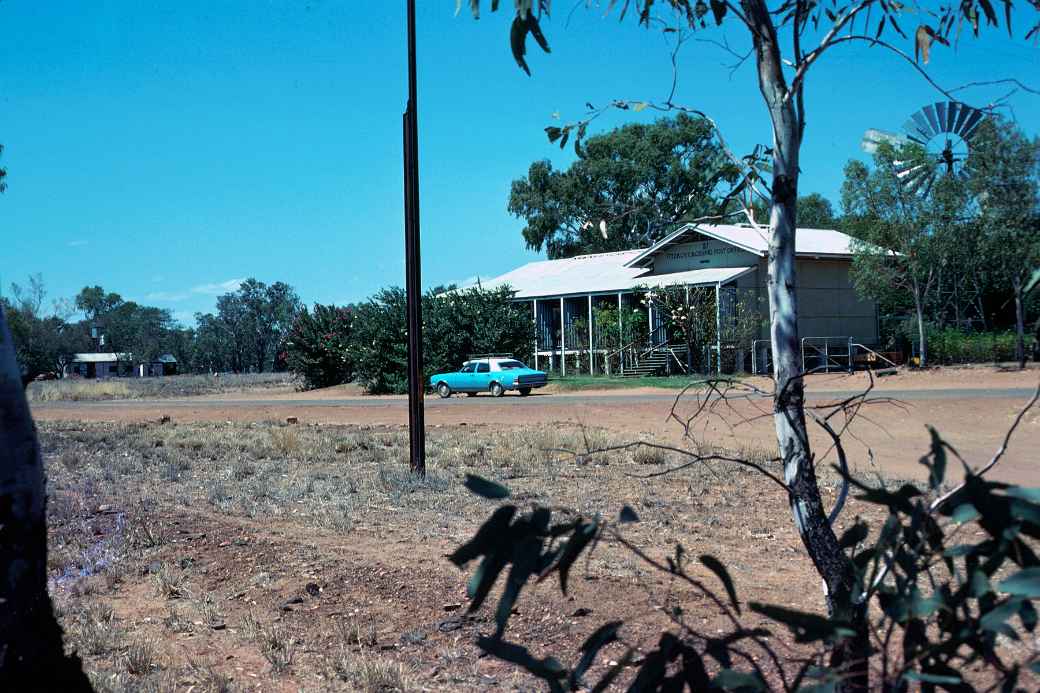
(416,426)
(650,320)
(620,335)
(592,364)
(534,305)
(563,338)
(718,329)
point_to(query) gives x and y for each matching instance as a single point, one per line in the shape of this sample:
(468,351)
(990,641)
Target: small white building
(111,365)
(832,318)
(100,365)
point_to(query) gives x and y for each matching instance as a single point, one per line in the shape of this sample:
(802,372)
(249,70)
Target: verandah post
(534,307)
(718,329)
(592,363)
(621,335)
(563,337)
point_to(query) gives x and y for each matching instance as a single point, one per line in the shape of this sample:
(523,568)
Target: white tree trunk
(922,337)
(789,401)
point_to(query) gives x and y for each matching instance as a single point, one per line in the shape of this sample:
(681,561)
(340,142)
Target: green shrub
(952,346)
(319,346)
(455,325)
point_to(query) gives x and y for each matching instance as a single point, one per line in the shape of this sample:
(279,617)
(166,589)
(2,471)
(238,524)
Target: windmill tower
(944,130)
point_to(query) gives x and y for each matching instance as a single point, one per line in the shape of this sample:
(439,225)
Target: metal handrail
(681,364)
(630,347)
(825,352)
(650,346)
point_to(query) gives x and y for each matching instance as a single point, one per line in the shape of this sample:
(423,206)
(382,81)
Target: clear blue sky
(167,149)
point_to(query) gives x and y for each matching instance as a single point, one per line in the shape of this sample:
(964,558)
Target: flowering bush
(319,346)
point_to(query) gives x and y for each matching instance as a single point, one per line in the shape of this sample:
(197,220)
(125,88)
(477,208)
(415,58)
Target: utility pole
(416,425)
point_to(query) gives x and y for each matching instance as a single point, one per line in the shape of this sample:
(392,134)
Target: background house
(111,365)
(100,365)
(731,260)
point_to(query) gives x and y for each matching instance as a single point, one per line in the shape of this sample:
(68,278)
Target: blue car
(491,374)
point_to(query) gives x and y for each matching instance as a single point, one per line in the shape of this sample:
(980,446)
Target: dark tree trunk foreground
(31,654)
(849,656)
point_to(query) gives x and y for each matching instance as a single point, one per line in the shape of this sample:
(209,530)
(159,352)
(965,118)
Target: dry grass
(78,389)
(299,484)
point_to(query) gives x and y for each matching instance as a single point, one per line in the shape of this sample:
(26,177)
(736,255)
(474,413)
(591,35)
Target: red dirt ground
(889,437)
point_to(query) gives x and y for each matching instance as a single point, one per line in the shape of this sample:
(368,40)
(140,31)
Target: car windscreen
(510,365)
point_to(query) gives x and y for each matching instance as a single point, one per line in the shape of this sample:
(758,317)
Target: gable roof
(599,273)
(811,242)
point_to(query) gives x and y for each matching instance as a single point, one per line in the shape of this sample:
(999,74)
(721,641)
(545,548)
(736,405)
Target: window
(510,365)
(483,367)
(467,367)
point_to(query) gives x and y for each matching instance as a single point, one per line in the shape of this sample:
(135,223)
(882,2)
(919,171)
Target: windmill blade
(962,117)
(872,139)
(933,118)
(913,173)
(918,129)
(970,125)
(952,110)
(940,114)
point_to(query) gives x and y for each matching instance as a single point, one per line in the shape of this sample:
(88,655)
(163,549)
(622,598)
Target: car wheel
(525,391)
(497,390)
(444,391)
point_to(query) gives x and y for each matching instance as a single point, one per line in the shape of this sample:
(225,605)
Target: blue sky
(166,150)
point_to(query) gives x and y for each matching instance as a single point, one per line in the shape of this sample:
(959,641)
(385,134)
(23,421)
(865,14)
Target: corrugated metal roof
(622,271)
(100,358)
(807,241)
(600,273)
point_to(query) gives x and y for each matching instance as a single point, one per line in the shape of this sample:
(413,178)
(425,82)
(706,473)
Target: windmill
(944,130)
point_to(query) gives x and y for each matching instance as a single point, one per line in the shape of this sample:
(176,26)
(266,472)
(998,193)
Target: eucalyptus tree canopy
(249,328)
(1004,166)
(627,189)
(904,239)
(815,212)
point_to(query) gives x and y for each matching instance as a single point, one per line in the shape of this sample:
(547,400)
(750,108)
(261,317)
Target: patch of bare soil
(278,558)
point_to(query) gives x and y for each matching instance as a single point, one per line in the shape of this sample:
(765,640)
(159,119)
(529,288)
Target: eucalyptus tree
(627,189)
(1004,170)
(788,37)
(904,239)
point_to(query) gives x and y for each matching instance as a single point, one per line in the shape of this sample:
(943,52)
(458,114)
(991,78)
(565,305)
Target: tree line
(246,332)
(265,327)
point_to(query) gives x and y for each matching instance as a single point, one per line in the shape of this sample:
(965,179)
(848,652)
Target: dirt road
(972,411)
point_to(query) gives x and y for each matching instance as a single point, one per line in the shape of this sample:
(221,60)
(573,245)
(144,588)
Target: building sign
(701,255)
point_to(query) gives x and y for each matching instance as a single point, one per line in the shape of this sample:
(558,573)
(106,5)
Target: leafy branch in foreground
(951,579)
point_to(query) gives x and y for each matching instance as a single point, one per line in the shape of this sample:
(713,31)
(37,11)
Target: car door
(463,380)
(482,378)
